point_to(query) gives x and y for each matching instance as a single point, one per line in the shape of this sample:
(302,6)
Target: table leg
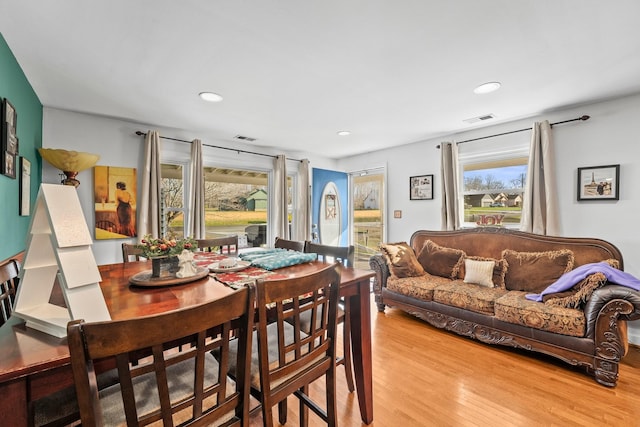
(360,314)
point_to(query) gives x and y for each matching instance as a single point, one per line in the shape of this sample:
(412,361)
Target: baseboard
(633,335)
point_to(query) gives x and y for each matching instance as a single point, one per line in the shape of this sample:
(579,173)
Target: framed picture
(114,195)
(9,164)
(599,183)
(9,115)
(421,187)
(25,187)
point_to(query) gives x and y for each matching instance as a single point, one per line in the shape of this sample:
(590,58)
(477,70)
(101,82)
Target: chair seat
(180,380)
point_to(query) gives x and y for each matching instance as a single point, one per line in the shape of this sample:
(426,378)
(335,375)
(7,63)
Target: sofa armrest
(379,265)
(607,313)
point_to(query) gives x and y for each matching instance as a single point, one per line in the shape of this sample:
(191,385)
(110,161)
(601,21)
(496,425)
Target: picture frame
(599,183)
(25,187)
(9,164)
(421,187)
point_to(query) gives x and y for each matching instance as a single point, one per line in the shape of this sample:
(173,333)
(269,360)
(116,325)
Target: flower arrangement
(165,246)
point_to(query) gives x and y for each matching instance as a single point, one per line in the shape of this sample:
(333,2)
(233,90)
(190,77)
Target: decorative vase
(164,266)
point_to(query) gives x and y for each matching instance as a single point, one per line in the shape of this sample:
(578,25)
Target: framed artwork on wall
(25,187)
(115,202)
(9,148)
(599,183)
(421,187)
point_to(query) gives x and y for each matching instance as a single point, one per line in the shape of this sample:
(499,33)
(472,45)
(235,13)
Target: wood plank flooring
(423,376)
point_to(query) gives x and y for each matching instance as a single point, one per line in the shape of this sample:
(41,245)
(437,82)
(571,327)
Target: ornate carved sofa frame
(606,311)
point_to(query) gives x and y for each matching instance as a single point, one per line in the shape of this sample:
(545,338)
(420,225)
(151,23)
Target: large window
(493,193)
(493,176)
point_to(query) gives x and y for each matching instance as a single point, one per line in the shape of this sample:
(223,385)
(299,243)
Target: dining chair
(292,245)
(8,287)
(224,245)
(166,385)
(130,251)
(344,255)
(285,360)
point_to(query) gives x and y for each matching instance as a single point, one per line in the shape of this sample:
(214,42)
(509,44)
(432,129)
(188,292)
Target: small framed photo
(9,164)
(9,115)
(421,187)
(599,183)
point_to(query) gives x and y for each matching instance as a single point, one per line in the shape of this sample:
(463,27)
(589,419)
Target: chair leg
(282,411)
(304,411)
(330,388)
(267,415)
(346,345)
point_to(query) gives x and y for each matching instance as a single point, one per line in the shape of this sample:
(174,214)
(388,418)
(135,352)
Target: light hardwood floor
(423,376)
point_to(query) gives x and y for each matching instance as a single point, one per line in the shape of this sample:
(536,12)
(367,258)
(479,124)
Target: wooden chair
(167,385)
(224,245)
(287,359)
(345,255)
(292,245)
(129,251)
(8,287)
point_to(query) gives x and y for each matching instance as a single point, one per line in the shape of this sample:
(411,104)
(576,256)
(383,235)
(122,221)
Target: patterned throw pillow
(479,272)
(499,270)
(534,271)
(441,261)
(401,260)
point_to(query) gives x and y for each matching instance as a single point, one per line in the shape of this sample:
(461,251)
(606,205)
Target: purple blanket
(573,277)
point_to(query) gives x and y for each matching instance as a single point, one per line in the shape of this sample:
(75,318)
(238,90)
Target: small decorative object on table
(163,253)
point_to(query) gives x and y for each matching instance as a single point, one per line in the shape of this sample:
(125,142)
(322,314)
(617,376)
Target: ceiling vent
(244,138)
(480,118)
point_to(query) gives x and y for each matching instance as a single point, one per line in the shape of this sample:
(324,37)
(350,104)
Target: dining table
(34,364)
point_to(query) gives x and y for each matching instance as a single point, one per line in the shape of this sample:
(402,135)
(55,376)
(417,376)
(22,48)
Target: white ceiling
(294,72)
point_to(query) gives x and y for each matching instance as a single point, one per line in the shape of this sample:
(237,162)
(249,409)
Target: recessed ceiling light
(487,87)
(344,133)
(210,96)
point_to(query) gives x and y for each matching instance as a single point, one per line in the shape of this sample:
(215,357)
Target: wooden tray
(144,278)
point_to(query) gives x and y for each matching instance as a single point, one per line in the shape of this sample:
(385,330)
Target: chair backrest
(156,380)
(292,245)
(130,251)
(8,287)
(224,245)
(297,358)
(326,253)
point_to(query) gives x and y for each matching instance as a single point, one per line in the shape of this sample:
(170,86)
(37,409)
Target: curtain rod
(582,118)
(140,133)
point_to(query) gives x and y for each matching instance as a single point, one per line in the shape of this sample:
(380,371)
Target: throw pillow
(479,272)
(401,260)
(499,270)
(534,271)
(581,292)
(441,261)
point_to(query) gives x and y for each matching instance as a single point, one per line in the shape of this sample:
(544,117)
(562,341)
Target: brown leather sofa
(597,335)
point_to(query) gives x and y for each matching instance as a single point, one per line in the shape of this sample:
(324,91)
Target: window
(173,202)
(236,202)
(493,178)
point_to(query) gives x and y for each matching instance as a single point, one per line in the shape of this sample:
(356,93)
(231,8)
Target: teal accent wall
(16,88)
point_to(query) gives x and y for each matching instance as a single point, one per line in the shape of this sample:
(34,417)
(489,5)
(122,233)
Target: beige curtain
(302,229)
(196,226)
(149,217)
(540,206)
(280,214)
(450,214)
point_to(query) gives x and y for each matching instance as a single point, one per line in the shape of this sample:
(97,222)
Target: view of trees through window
(236,202)
(493,193)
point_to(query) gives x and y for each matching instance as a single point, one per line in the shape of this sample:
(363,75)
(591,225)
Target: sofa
(481,283)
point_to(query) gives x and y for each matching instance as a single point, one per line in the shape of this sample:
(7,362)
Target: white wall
(118,145)
(610,136)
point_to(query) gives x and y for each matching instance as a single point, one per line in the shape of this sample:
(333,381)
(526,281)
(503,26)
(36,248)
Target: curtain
(280,211)
(302,230)
(540,207)
(196,227)
(450,210)
(149,219)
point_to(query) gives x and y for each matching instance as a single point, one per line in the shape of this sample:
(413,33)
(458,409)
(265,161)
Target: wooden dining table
(34,364)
